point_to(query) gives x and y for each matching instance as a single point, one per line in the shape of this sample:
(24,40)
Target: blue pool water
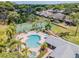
(33,40)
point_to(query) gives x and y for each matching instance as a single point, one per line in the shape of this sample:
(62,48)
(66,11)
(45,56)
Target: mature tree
(39,8)
(49,6)
(9,5)
(32,17)
(24,11)
(59,6)
(5,7)
(13,17)
(69,6)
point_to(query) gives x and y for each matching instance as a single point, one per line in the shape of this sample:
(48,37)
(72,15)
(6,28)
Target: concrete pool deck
(24,37)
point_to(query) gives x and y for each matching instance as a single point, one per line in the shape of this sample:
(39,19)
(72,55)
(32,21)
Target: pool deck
(24,36)
(42,41)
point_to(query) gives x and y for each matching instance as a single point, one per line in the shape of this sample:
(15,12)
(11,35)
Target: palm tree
(43,50)
(3,39)
(43,47)
(6,37)
(10,45)
(77,28)
(26,52)
(75,16)
(48,26)
(11,30)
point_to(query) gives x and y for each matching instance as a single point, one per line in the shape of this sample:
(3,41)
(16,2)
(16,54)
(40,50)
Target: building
(63,48)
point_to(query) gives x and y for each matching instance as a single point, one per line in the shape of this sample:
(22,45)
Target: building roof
(54,41)
(58,16)
(64,49)
(49,13)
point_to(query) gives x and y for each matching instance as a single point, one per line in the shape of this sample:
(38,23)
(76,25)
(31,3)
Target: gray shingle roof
(54,41)
(64,49)
(58,16)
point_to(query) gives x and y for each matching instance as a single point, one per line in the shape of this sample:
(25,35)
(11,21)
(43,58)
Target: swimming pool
(33,40)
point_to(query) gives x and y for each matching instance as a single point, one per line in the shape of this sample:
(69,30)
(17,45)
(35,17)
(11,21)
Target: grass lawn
(73,39)
(8,55)
(56,29)
(3,27)
(71,29)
